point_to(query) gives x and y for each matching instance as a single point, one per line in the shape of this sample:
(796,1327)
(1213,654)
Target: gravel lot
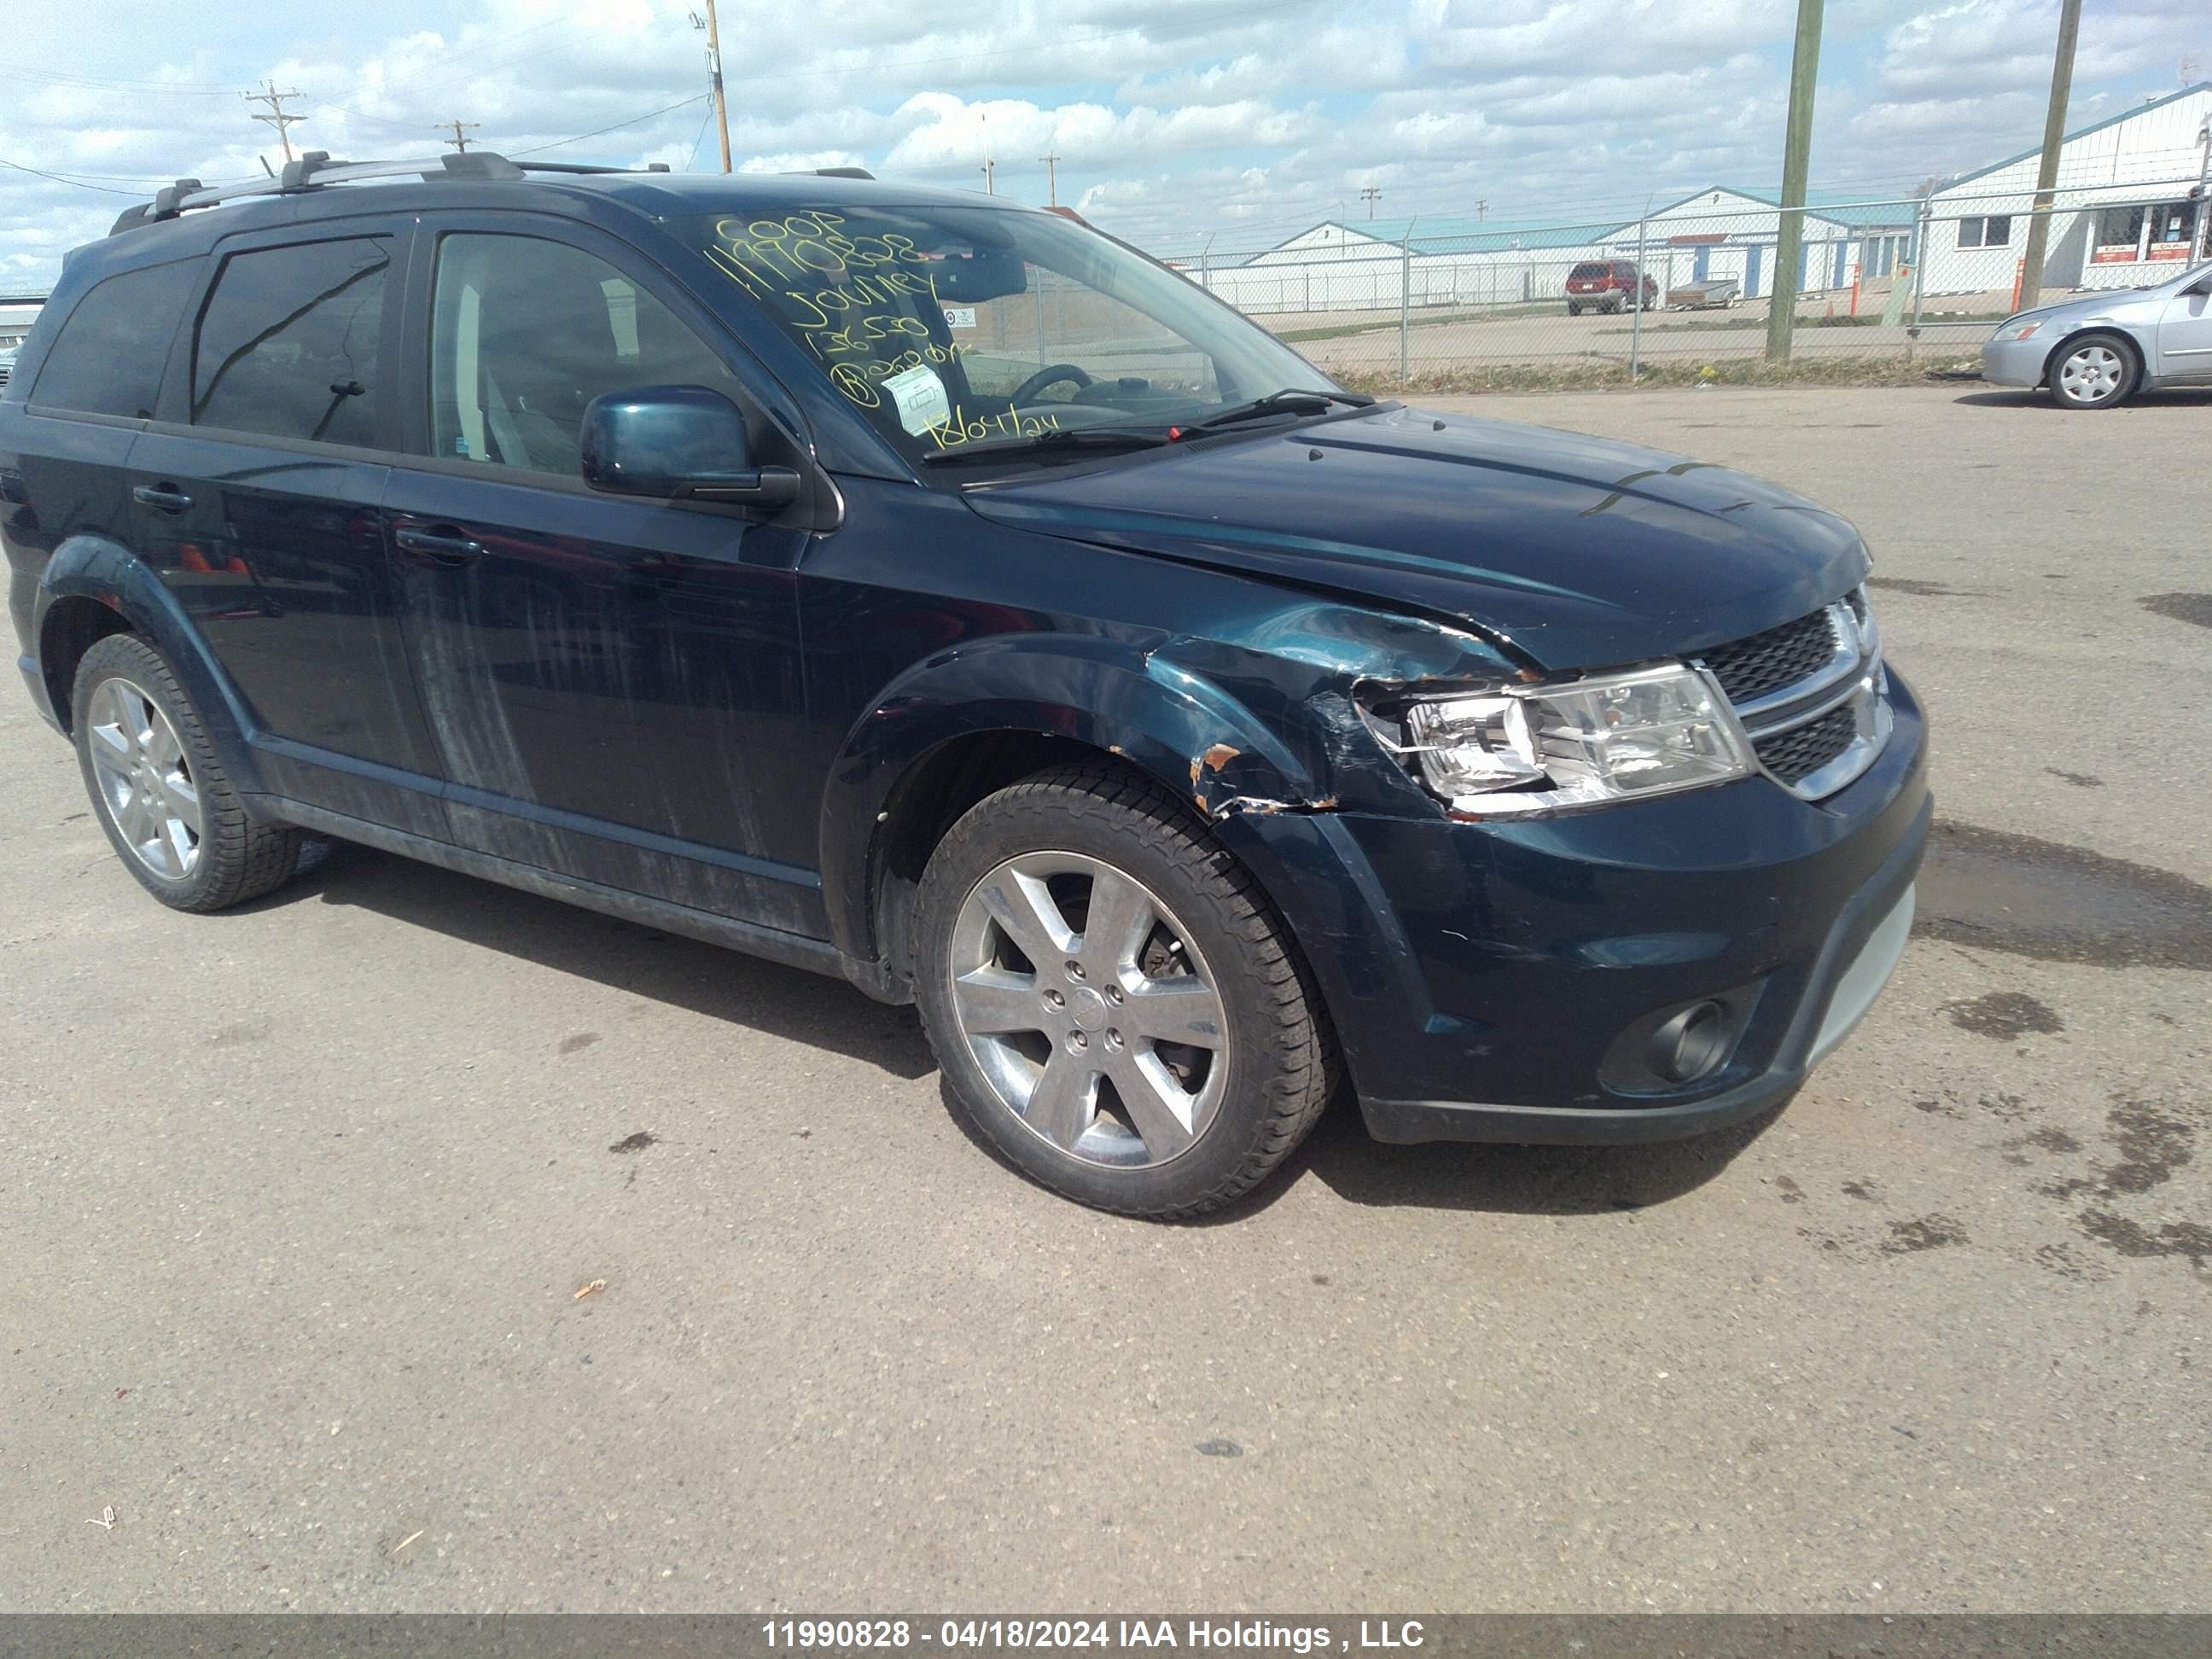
(297,1204)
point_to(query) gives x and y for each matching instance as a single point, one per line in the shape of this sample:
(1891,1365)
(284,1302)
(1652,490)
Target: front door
(2185,335)
(613,683)
(257,496)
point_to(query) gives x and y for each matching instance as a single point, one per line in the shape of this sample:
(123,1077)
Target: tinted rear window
(1591,268)
(107,359)
(287,344)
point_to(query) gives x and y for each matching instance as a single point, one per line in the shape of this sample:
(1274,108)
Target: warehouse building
(17,313)
(1436,261)
(2130,204)
(1723,231)
(1731,231)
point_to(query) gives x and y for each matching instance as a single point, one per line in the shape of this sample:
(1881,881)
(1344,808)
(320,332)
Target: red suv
(1605,285)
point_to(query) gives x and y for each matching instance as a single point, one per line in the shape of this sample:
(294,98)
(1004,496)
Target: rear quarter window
(108,358)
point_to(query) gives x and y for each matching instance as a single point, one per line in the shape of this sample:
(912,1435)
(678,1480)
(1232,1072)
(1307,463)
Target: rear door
(614,684)
(257,493)
(68,428)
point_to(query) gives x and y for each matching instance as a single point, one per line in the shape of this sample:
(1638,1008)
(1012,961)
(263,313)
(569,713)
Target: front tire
(2098,371)
(1116,1006)
(159,790)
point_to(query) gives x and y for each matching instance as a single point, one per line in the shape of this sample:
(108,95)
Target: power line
(617,127)
(698,140)
(59,179)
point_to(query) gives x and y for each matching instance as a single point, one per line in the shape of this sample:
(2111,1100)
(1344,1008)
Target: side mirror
(678,443)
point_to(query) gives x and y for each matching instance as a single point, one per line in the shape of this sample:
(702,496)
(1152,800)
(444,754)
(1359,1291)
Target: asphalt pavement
(405,1242)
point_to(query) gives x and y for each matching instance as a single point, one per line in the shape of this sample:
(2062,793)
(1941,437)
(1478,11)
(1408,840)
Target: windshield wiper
(1042,443)
(1289,401)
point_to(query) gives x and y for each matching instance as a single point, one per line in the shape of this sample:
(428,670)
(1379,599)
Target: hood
(1579,552)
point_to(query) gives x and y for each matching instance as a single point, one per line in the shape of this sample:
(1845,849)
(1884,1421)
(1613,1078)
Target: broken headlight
(1525,751)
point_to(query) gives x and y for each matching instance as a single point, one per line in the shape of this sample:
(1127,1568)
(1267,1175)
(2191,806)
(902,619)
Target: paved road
(297,1202)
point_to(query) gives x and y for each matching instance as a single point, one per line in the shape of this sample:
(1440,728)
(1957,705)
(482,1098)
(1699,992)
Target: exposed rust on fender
(1207,768)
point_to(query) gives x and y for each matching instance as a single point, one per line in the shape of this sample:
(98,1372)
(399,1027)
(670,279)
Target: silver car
(2100,349)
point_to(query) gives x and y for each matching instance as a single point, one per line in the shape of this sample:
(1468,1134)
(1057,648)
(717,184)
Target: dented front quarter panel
(1236,692)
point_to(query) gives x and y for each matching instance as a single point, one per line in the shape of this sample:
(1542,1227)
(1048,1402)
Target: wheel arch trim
(1178,728)
(2081,332)
(107,573)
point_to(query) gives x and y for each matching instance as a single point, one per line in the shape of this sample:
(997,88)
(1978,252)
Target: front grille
(1795,755)
(3,374)
(1752,667)
(1793,687)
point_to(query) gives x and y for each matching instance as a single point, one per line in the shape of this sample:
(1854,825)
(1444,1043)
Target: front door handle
(166,498)
(441,543)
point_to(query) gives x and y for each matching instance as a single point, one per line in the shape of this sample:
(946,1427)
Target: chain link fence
(1685,290)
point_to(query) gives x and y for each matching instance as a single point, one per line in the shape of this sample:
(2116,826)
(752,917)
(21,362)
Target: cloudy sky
(1175,119)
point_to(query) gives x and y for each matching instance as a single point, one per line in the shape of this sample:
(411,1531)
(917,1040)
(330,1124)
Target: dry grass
(1592,374)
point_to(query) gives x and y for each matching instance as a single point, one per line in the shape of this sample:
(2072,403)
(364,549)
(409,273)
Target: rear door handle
(166,497)
(443,543)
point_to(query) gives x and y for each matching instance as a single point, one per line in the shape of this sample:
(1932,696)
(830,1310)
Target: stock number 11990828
(841,1633)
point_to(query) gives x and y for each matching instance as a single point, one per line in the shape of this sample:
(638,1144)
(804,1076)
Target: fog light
(1691,1044)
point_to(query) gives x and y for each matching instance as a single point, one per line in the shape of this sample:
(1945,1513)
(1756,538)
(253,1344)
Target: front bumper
(1485,980)
(2015,362)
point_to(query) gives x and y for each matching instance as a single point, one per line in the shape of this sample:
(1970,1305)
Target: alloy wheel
(1093,1016)
(146,784)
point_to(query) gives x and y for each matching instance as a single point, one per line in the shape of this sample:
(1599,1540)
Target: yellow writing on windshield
(859,303)
(962,428)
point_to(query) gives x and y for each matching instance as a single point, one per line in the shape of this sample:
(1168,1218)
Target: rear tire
(2098,371)
(158,789)
(1073,929)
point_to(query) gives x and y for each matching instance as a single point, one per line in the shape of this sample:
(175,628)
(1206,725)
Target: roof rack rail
(315,169)
(587,166)
(842,172)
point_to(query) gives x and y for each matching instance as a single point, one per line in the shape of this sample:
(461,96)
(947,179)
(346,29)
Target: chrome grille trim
(1852,677)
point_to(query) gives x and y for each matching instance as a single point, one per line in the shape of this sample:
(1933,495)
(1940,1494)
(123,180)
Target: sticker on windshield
(919,398)
(960,316)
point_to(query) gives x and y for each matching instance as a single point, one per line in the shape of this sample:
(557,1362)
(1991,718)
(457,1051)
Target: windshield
(955,326)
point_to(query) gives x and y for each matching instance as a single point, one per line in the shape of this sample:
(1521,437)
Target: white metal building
(1434,261)
(1724,230)
(17,313)
(2130,204)
(1732,230)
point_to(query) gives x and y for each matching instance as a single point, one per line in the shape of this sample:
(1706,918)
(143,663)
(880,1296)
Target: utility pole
(1371,194)
(2046,172)
(276,117)
(989,168)
(460,129)
(1051,177)
(1796,157)
(1481,211)
(713,28)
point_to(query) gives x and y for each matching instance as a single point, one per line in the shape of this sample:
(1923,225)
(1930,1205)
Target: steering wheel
(1053,375)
